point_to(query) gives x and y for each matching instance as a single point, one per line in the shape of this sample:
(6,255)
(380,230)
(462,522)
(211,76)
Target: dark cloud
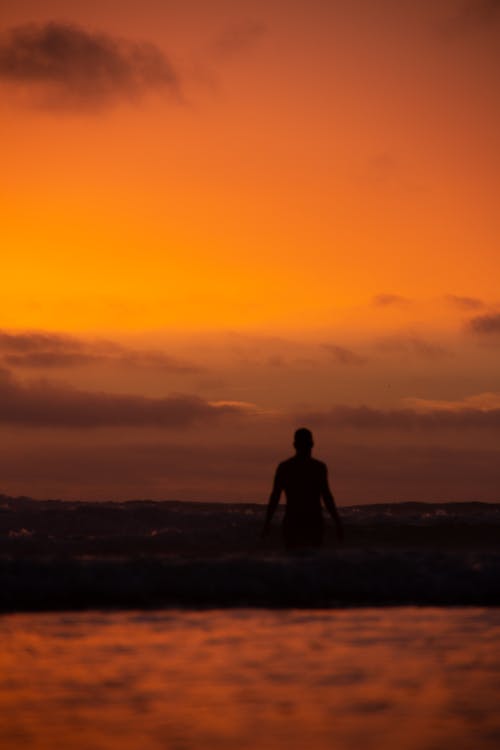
(412,344)
(386,300)
(464,303)
(36,341)
(48,359)
(485,324)
(42,350)
(367,418)
(238,39)
(344,356)
(45,404)
(65,65)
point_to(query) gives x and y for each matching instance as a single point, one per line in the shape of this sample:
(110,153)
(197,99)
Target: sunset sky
(224,220)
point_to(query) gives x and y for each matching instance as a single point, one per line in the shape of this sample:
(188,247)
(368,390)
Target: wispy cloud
(44,350)
(412,344)
(344,356)
(464,303)
(388,300)
(485,324)
(482,401)
(368,418)
(67,66)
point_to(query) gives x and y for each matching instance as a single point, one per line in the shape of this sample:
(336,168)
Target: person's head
(303,441)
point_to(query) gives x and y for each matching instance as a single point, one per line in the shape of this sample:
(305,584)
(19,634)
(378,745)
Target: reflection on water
(394,678)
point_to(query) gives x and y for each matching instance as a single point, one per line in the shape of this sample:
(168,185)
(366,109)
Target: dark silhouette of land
(304,480)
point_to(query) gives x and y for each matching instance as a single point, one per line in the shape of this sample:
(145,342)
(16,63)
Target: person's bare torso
(302,479)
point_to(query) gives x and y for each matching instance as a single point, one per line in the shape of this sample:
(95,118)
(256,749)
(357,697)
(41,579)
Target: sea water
(57,555)
(406,678)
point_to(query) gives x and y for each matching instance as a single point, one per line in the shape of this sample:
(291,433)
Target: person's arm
(273,501)
(329,502)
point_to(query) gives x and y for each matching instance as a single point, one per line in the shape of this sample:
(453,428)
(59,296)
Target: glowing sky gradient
(260,214)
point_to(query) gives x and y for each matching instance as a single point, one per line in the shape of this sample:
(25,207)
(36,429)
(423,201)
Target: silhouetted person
(304,480)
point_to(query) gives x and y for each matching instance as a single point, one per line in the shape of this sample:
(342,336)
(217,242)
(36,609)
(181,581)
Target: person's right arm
(274,499)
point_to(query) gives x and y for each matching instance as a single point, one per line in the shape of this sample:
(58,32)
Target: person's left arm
(329,502)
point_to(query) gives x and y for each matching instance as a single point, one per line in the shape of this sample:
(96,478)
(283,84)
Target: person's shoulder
(286,464)
(319,465)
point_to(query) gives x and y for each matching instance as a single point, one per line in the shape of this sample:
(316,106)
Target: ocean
(65,555)
(152,625)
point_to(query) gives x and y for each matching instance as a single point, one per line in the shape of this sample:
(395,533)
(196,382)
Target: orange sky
(298,205)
